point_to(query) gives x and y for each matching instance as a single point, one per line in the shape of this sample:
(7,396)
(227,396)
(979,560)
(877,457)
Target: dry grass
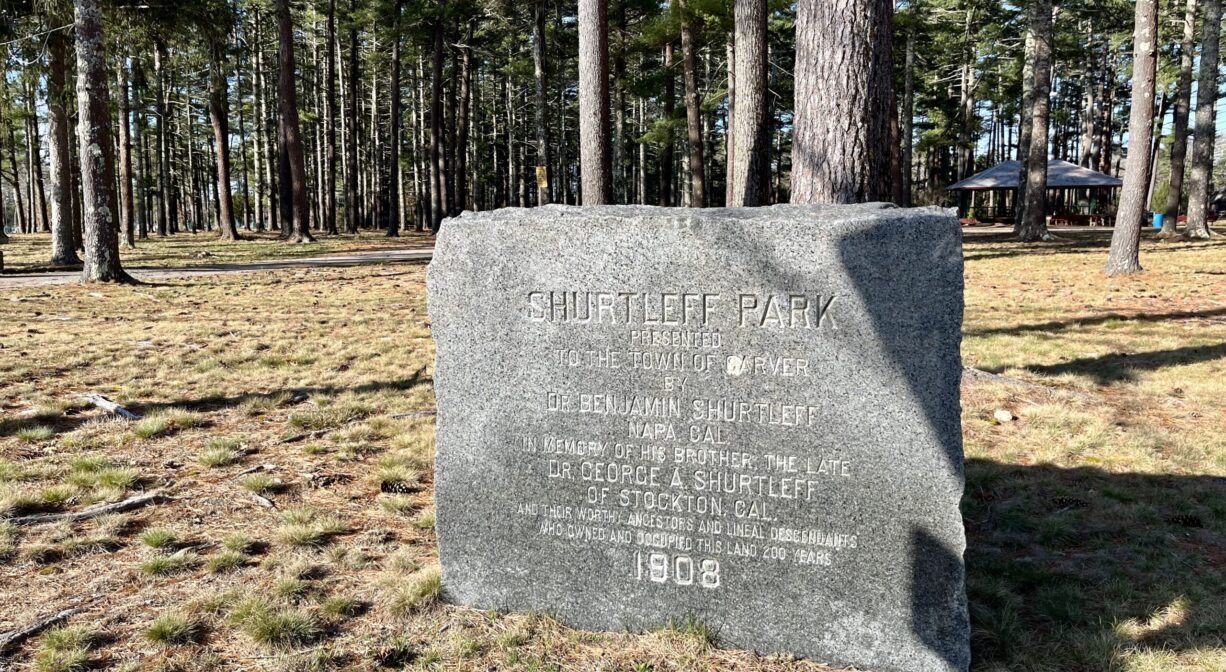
(25,253)
(1094,519)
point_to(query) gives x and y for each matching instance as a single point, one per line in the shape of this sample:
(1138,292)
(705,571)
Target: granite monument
(745,416)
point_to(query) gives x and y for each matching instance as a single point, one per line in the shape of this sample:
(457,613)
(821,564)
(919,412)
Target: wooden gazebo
(1076,195)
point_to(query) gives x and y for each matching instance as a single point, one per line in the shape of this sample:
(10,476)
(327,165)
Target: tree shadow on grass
(74,419)
(60,424)
(1068,242)
(1070,568)
(296,394)
(1093,320)
(1123,367)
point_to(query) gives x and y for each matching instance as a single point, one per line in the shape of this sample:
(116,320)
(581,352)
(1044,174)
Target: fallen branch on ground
(108,405)
(413,414)
(307,435)
(92,512)
(258,467)
(263,501)
(979,375)
(12,638)
(295,438)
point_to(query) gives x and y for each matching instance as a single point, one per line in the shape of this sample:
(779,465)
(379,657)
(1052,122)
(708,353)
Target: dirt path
(24,281)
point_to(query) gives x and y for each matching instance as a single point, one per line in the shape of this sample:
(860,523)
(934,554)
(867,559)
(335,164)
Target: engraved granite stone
(745,416)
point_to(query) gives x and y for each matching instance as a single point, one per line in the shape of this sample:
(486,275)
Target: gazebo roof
(1060,175)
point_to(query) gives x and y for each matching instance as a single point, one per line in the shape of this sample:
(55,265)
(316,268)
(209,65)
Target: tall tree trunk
(438,180)
(393,210)
(1031,223)
(1124,255)
(1203,136)
(330,125)
(595,165)
(1107,125)
(749,146)
(1164,105)
(840,150)
(24,225)
(75,172)
(907,119)
(896,182)
(1089,100)
(159,78)
(242,145)
(192,204)
(261,139)
(101,233)
(63,245)
(621,189)
(126,213)
(693,113)
(351,186)
(512,154)
(543,194)
(464,121)
(730,123)
(1026,116)
(219,115)
(4,236)
(1183,103)
(421,170)
(38,191)
(285,185)
(966,94)
(667,106)
(173,175)
(291,135)
(449,145)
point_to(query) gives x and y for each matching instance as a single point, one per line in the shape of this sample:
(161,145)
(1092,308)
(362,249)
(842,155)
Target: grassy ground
(1096,517)
(30,253)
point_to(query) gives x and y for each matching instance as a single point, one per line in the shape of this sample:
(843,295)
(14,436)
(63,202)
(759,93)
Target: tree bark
(1203,136)
(261,136)
(126,212)
(421,161)
(693,113)
(351,186)
(907,120)
(1183,103)
(193,203)
(330,125)
(595,165)
(242,147)
(449,141)
(438,178)
(38,192)
(749,146)
(1124,255)
(543,191)
(393,210)
(101,233)
(23,225)
(291,134)
(464,115)
(1031,222)
(1164,105)
(163,163)
(840,150)
(63,245)
(667,106)
(219,115)
(4,237)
